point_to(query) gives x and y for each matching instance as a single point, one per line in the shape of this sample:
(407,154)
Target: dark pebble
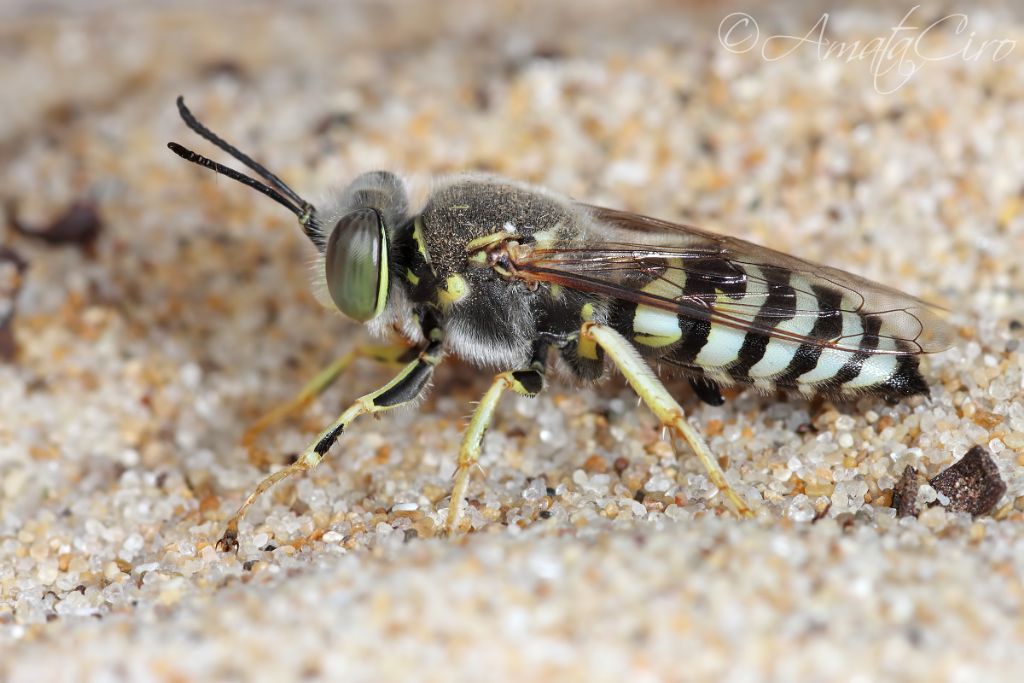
(904,496)
(972,484)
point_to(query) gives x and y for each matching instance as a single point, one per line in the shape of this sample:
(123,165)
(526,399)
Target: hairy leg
(391,354)
(405,387)
(526,382)
(661,403)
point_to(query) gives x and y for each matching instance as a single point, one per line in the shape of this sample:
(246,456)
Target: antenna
(275,188)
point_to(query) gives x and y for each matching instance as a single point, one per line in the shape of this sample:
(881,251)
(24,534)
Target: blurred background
(149,311)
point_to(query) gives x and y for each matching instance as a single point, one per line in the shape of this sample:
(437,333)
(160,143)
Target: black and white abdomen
(773,329)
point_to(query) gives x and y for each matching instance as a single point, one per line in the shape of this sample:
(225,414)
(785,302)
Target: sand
(593,552)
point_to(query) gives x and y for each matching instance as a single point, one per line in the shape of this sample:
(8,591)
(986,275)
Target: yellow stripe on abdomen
(655,327)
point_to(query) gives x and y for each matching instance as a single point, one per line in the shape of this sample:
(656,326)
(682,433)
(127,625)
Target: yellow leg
(405,387)
(388,354)
(661,403)
(527,382)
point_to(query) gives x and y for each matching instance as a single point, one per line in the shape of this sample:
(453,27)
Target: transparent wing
(731,282)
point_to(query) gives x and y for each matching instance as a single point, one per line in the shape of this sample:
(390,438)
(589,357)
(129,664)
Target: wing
(735,283)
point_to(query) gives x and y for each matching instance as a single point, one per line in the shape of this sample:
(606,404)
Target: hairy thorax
(489,319)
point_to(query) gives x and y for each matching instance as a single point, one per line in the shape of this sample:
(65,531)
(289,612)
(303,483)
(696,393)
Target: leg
(405,387)
(660,402)
(527,382)
(389,354)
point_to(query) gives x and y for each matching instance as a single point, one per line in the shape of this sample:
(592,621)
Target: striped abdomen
(783,331)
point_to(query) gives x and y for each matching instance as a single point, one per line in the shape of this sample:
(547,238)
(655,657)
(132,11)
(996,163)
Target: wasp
(512,277)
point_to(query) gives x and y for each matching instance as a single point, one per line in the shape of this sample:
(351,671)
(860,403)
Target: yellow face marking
(455,289)
(556,291)
(587,312)
(412,277)
(385,284)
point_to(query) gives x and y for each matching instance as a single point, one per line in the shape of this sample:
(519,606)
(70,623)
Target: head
(357,251)
(354,238)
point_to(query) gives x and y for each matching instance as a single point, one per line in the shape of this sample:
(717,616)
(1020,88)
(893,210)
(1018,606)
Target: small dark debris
(706,144)
(807,428)
(639,496)
(37,384)
(310,672)
(247,565)
(972,484)
(896,113)
(10,290)
(224,68)
(550,492)
(904,495)
(545,514)
(335,120)
(481,98)
(269,548)
(820,514)
(620,465)
(550,53)
(846,521)
(79,224)
(62,114)
(1016,325)
(410,535)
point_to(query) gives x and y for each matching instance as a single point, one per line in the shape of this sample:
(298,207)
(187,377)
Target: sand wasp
(511,276)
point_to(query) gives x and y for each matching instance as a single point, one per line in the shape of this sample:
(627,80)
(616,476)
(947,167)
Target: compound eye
(356,265)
